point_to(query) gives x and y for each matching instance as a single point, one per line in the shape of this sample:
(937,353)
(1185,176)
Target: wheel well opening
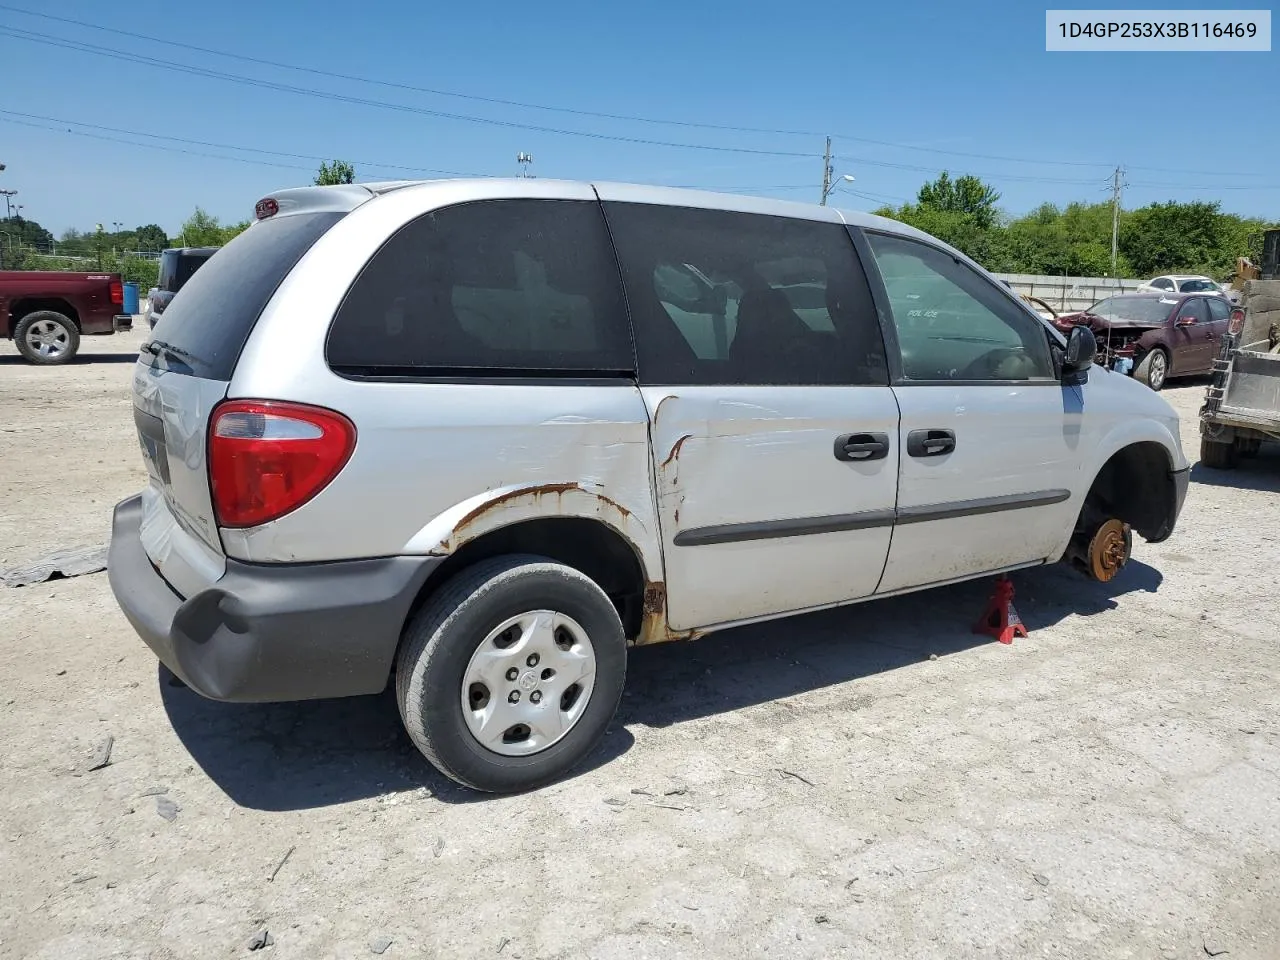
(20,308)
(1134,486)
(589,546)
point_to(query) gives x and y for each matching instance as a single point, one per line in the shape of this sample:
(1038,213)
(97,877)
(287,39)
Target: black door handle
(860,447)
(930,443)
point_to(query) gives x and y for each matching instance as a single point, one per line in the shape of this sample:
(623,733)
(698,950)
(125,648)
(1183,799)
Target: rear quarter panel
(438,464)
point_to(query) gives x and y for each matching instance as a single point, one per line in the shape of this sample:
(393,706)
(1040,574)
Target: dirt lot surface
(820,787)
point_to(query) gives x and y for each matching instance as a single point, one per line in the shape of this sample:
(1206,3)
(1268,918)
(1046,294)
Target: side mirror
(1187,321)
(1082,348)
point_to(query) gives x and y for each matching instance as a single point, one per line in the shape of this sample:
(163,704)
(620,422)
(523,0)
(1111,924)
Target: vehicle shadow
(297,756)
(80,360)
(1261,472)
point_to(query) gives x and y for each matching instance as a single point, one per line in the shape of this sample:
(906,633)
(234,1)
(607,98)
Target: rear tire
(47,338)
(463,632)
(1154,369)
(1218,456)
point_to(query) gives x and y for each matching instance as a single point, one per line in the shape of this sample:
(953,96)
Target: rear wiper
(155,347)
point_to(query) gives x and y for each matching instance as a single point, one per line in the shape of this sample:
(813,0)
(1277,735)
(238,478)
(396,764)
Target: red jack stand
(1000,619)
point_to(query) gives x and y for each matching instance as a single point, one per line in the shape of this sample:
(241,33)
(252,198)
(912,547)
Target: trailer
(1242,402)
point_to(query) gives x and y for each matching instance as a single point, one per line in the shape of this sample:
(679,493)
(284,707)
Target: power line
(224,146)
(633,118)
(405,108)
(865,161)
(368,102)
(1192,186)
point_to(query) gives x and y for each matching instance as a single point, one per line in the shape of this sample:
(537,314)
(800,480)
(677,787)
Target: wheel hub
(1109,549)
(47,339)
(528,683)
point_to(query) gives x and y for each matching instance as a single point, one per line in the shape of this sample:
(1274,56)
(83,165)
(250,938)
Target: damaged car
(1154,336)
(475,439)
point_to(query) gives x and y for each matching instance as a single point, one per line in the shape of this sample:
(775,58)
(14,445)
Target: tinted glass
(953,323)
(189,263)
(1195,307)
(1219,309)
(168,275)
(1162,283)
(1197,286)
(1133,309)
(522,287)
(736,298)
(211,317)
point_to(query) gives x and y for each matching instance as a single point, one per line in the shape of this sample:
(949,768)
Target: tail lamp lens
(267,458)
(1236,323)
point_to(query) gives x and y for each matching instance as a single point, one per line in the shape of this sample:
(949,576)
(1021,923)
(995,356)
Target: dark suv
(176,268)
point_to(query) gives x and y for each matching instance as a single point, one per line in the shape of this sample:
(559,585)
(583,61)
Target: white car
(1188,283)
(484,436)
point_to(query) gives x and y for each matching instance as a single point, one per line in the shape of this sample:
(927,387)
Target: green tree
(966,194)
(232,230)
(151,237)
(21,232)
(1176,237)
(340,171)
(201,229)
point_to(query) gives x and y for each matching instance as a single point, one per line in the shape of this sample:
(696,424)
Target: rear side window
(206,326)
(1160,283)
(719,297)
(1219,309)
(494,287)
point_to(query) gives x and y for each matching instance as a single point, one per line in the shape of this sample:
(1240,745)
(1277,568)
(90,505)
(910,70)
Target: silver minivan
(481,436)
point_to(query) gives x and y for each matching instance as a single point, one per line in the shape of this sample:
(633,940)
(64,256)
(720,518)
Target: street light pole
(829,179)
(8,206)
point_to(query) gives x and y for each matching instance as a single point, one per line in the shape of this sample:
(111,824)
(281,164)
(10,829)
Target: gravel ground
(819,787)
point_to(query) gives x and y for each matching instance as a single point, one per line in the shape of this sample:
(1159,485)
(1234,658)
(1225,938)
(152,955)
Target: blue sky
(931,82)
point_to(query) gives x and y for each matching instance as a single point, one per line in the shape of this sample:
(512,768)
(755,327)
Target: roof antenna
(524,159)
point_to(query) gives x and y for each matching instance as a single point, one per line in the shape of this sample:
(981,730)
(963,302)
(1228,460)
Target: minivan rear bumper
(269,632)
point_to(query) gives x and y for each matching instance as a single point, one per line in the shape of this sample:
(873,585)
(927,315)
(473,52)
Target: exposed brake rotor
(1109,549)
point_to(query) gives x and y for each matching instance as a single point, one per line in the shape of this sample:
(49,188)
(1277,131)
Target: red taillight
(117,293)
(1236,323)
(266,207)
(268,457)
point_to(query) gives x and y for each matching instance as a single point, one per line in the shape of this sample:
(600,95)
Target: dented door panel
(757,514)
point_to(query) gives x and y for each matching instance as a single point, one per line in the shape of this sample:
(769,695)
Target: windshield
(1197,286)
(1132,309)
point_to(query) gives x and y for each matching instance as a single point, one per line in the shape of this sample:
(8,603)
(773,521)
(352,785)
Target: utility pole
(1117,185)
(8,207)
(826,173)
(524,159)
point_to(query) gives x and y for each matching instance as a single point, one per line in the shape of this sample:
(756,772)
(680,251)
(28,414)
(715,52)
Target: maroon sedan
(1156,336)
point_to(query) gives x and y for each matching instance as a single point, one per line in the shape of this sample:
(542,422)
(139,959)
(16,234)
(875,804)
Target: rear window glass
(507,287)
(206,326)
(176,269)
(1197,286)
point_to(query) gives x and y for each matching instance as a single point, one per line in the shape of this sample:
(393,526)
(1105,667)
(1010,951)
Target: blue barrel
(130,298)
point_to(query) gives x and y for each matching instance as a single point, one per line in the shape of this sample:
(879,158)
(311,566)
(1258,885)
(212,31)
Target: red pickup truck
(46,313)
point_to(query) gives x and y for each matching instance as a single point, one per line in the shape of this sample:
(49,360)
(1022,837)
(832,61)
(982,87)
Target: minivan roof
(191,250)
(346,197)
